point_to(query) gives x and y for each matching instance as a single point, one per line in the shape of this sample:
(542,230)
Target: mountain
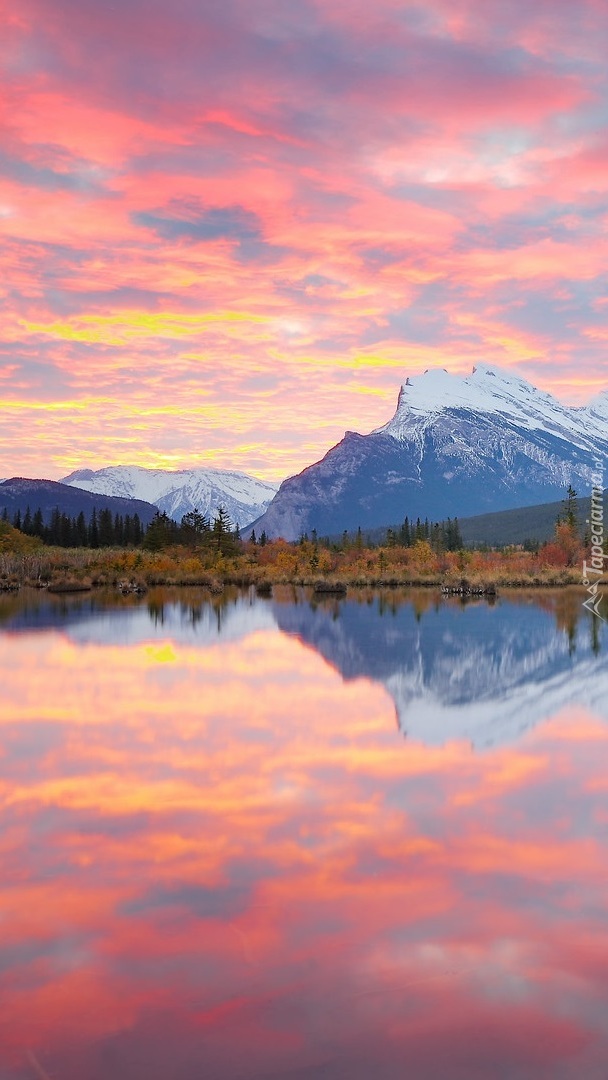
(506,526)
(244,497)
(456,447)
(526,523)
(18,493)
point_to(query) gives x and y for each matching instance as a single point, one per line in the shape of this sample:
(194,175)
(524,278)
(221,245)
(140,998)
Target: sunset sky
(231,230)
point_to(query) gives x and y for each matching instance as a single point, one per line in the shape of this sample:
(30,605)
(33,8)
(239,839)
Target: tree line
(441,535)
(104,529)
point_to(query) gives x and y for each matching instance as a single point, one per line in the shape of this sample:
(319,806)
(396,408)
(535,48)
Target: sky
(230,230)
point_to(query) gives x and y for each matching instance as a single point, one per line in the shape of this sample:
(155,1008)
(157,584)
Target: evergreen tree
(65,531)
(81,537)
(571,508)
(195,526)
(458,536)
(405,535)
(17,520)
(223,539)
(38,524)
(161,532)
(27,522)
(137,529)
(106,528)
(54,530)
(93,530)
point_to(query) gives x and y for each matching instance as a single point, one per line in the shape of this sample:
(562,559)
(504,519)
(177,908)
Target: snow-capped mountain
(456,446)
(244,497)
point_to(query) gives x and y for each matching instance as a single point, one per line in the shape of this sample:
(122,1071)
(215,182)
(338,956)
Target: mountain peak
(179,491)
(487,390)
(458,445)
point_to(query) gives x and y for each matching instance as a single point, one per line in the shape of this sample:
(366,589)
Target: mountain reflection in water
(221,860)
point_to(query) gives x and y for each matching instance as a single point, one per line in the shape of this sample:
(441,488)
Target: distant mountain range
(456,447)
(526,523)
(18,493)
(507,526)
(177,493)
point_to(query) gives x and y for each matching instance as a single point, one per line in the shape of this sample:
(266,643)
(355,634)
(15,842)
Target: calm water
(272,838)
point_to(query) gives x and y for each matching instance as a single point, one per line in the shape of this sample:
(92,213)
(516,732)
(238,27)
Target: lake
(247,838)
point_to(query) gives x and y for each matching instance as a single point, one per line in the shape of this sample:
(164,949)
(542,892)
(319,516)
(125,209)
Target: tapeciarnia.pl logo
(593,571)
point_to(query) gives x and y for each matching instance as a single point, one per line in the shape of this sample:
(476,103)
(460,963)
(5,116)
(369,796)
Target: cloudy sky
(231,228)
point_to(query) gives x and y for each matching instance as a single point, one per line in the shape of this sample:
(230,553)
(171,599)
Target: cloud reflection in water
(220,858)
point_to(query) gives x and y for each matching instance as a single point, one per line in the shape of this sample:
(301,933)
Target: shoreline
(319,589)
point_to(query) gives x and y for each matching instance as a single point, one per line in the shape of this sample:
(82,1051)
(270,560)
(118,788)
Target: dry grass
(279,563)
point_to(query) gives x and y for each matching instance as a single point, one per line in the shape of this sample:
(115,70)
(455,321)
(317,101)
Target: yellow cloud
(118,329)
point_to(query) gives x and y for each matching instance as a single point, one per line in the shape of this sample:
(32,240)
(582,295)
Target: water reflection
(476,670)
(220,860)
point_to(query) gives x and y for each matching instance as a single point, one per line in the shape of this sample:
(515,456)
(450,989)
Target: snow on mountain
(244,497)
(495,392)
(456,446)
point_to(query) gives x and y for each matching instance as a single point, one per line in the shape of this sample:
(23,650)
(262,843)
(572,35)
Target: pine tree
(106,528)
(223,536)
(54,531)
(38,524)
(458,536)
(195,525)
(571,508)
(93,530)
(81,537)
(161,532)
(65,531)
(405,534)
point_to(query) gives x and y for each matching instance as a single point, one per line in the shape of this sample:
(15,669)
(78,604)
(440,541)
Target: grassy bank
(136,570)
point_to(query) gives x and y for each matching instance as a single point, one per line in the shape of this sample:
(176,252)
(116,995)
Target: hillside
(18,493)
(456,447)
